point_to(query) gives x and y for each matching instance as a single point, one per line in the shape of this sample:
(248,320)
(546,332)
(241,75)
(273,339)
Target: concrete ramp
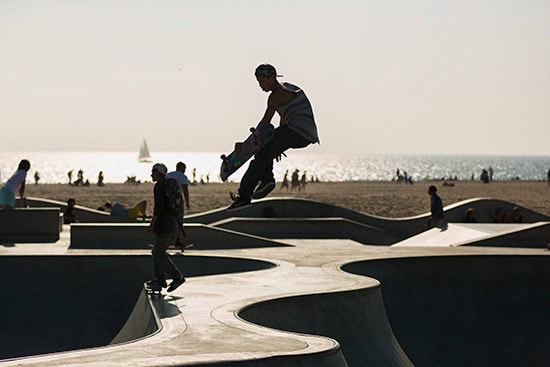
(313,228)
(134,236)
(143,321)
(534,235)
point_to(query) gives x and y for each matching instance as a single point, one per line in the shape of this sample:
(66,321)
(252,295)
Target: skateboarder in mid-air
(297,129)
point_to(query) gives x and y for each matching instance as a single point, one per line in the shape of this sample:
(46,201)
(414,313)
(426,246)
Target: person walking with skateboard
(183,182)
(164,225)
(297,129)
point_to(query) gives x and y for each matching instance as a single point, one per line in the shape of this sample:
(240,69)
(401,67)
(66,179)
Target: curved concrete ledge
(466,310)
(142,322)
(401,227)
(356,319)
(302,208)
(484,208)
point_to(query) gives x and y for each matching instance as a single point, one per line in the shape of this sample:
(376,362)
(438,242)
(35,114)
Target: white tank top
(299,114)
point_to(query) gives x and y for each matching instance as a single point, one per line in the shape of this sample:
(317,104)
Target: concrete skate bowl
(61,303)
(466,310)
(356,319)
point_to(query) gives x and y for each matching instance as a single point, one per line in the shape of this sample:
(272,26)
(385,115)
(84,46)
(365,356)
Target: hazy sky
(434,77)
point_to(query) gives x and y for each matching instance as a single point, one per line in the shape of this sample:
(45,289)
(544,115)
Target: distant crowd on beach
(297,181)
(130,180)
(80,179)
(403,177)
(486,176)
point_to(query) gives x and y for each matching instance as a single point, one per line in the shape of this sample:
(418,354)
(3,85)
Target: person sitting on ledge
(500,216)
(470,216)
(516,216)
(139,210)
(69,216)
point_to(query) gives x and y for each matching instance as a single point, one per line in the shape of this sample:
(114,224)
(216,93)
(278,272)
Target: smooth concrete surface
(317,302)
(29,225)
(75,301)
(313,228)
(473,310)
(357,319)
(142,322)
(135,236)
(536,235)
(405,227)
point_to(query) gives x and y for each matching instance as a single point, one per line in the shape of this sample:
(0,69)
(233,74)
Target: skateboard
(153,291)
(245,150)
(176,247)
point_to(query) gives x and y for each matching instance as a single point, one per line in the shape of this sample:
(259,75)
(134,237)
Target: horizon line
(294,151)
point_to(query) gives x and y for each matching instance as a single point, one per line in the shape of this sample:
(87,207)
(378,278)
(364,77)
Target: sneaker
(239,203)
(155,285)
(263,189)
(176,283)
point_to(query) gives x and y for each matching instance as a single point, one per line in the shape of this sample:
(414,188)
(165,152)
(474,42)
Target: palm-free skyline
(429,77)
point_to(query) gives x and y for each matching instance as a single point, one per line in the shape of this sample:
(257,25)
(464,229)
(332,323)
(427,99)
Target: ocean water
(117,166)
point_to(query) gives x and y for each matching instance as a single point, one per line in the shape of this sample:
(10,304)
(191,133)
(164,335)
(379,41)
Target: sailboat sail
(144,155)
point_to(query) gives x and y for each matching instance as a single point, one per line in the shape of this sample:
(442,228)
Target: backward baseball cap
(266,70)
(160,168)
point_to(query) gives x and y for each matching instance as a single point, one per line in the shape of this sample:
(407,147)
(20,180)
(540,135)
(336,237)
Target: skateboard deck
(245,150)
(176,248)
(153,291)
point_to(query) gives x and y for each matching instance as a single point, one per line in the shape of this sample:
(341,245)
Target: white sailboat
(144,155)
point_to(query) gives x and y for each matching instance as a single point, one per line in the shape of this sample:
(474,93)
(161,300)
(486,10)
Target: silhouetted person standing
(436,208)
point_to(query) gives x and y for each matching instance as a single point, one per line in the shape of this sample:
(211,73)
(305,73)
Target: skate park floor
(314,302)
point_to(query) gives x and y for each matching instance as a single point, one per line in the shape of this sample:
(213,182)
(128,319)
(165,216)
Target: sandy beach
(387,199)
